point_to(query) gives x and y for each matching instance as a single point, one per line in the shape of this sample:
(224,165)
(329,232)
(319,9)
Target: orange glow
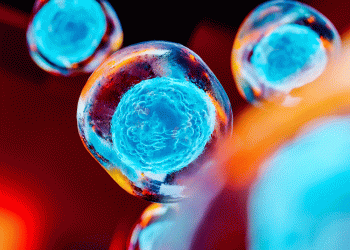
(311,19)
(220,112)
(20,223)
(256,91)
(118,43)
(12,231)
(193,59)
(326,44)
(118,177)
(148,214)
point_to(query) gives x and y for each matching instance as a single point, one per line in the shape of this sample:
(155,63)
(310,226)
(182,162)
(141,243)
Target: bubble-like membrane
(280,47)
(152,115)
(72,36)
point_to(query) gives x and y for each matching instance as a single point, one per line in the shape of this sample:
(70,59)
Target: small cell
(280,47)
(66,37)
(152,115)
(150,231)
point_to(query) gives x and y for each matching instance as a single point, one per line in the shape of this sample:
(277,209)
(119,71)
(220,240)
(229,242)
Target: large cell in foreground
(280,47)
(301,200)
(71,36)
(153,115)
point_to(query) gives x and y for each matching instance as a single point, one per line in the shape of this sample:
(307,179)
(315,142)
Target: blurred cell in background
(151,227)
(71,36)
(175,226)
(152,115)
(302,199)
(280,47)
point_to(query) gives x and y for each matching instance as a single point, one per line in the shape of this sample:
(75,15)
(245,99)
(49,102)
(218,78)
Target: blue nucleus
(162,124)
(68,32)
(289,56)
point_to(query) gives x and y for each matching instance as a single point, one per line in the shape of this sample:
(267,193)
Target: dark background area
(175,21)
(66,200)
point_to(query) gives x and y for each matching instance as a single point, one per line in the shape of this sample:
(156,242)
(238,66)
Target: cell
(67,37)
(280,47)
(152,115)
(148,233)
(300,200)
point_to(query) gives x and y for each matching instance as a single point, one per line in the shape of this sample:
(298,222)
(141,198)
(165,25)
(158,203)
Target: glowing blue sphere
(289,56)
(72,36)
(162,124)
(68,32)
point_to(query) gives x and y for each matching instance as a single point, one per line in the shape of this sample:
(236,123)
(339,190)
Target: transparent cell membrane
(280,47)
(152,115)
(70,36)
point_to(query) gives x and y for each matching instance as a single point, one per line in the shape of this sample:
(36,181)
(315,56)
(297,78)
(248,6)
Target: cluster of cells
(153,114)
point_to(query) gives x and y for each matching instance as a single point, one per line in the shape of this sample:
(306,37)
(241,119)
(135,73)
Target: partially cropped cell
(280,47)
(72,36)
(151,230)
(152,115)
(301,199)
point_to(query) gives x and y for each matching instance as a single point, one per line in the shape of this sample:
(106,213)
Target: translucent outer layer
(71,36)
(152,115)
(280,47)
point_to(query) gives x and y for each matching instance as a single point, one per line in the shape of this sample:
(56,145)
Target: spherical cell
(66,36)
(280,47)
(152,115)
